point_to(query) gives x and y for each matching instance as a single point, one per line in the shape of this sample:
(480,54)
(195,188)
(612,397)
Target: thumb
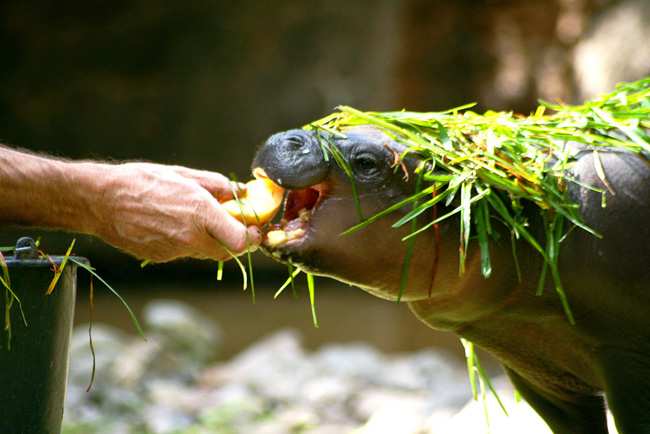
(231,233)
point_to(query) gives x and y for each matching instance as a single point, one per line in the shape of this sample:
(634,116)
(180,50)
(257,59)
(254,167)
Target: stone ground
(172,384)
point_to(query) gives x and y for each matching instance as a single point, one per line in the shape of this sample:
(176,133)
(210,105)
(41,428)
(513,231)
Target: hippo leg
(626,380)
(587,416)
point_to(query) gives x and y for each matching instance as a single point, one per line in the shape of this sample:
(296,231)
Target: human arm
(152,211)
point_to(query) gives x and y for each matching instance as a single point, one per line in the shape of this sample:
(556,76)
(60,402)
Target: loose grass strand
(92,271)
(58,270)
(292,274)
(241,204)
(475,370)
(90,334)
(409,250)
(312,292)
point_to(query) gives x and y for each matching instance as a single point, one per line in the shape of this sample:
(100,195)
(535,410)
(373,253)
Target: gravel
(173,384)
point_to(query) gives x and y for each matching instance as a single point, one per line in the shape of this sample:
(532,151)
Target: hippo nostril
(293,143)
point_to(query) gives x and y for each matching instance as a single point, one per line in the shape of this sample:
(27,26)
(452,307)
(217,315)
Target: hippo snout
(293,159)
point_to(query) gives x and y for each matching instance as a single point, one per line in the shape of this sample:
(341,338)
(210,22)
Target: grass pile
(494,162)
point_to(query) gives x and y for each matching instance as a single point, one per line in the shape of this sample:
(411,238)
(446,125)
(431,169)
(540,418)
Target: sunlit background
(203,84)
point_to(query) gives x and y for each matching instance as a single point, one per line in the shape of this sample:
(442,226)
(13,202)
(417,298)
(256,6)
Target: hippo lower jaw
(292,230)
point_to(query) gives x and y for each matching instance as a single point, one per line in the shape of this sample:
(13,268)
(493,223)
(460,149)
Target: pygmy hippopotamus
(565,371)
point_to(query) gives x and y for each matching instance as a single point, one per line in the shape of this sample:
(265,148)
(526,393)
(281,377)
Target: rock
(163,419)
(187,338)
(298,418)
(107,394)
(325,390)
(394,419)
(374,401)
(167,385)
(276,367)
(429,369)
(357,360)
(109,344)
(233,415)
(332,428)
(472,418)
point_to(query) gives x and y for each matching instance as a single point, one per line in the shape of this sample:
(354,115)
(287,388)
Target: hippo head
(321,206)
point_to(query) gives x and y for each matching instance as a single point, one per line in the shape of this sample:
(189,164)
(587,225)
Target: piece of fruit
(277,237)
(261,202)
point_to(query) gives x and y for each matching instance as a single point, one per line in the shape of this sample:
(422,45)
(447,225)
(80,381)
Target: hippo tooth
(295,234)
(304,215)
(277,237)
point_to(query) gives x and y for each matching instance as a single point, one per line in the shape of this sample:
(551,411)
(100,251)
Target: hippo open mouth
(298,208)
(294,160)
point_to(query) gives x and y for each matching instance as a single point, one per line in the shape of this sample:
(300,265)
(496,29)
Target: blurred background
(204,83)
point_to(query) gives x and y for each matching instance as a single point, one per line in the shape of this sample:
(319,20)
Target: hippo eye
(365,164)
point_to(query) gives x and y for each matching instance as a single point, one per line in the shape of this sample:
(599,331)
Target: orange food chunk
(261,202)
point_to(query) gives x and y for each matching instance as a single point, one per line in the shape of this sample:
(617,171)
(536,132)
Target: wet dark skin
(564,371)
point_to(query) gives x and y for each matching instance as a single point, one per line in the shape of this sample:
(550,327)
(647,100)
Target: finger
(254,237)
(217,184)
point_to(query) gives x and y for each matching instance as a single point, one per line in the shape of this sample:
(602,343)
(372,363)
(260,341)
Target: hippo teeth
(298,209)
(299,200)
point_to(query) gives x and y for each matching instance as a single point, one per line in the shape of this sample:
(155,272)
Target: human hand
(161,213)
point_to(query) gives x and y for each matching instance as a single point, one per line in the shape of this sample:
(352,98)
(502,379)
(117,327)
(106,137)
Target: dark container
(34,362)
